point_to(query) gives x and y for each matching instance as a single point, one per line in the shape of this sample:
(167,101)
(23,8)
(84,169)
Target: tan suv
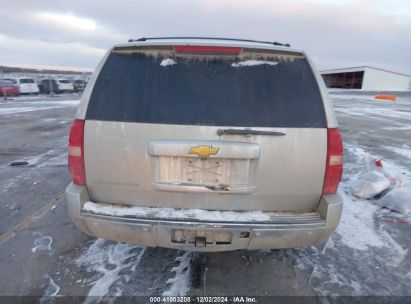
(205,144)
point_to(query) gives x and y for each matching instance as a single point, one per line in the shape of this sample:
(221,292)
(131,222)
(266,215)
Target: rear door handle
(248,132)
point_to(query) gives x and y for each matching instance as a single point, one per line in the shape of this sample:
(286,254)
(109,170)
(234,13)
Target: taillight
(76,152)
(205,49)
(334,165)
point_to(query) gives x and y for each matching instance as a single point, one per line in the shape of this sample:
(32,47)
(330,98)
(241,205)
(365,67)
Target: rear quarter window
(203,90)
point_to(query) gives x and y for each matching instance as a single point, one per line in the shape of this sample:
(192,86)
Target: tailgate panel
(149,165)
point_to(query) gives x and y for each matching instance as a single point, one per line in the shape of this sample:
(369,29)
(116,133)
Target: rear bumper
(251,236)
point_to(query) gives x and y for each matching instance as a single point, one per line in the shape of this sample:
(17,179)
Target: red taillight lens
(76,152)
(334,166)
(204,49)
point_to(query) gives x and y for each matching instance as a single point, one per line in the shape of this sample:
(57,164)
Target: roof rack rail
(210,38)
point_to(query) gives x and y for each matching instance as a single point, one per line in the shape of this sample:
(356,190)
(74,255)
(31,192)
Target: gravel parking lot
(42,254)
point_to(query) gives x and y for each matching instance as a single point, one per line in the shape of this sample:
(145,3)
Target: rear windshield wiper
(247,132)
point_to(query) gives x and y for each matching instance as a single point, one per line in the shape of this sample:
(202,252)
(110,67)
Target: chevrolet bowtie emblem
(204,151)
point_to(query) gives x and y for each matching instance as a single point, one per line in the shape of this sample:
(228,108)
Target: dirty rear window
(199,90)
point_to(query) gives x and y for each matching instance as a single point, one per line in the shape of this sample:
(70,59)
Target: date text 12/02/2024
(202,299)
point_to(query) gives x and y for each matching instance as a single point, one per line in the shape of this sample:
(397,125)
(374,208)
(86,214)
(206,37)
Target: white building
(366,78)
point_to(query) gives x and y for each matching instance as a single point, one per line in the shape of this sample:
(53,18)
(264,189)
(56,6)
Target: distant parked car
(44,86)
(79,85)
(26,85)
(8,88)
(64,85)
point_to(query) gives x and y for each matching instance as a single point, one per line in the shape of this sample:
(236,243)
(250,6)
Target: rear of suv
(205,144)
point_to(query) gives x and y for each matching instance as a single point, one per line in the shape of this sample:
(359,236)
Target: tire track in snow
(114,262)
(51,290)
(42,242)
(180,283)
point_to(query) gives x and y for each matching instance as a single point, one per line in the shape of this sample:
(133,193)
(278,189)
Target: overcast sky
(335,33)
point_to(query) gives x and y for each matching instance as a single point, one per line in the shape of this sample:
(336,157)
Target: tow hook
(200,241)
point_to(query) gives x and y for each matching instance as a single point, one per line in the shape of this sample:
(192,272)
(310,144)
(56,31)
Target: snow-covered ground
(372,238)
(16,106)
